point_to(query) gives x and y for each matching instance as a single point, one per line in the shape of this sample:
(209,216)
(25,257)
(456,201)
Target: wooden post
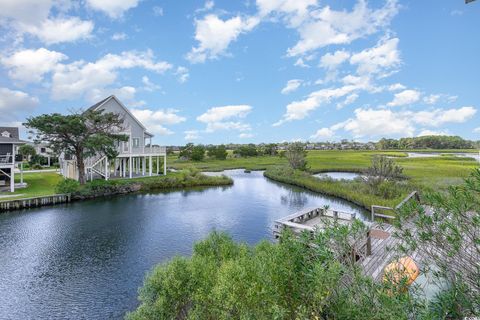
(106,168)
(373,214)
(369,244)
(21,172)
(144,164)
(158,164)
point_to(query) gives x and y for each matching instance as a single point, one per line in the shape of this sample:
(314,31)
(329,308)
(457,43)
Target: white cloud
(333,60)
(291,86)
(293,11)
(476,130)
(379,122)
(217,114)
(438,117)
(149,85)
(323,133)
(427,132)
(25,11)
(113,8)
(31,65)
(52,31)
(298,110)
(191,135)
(245,135)
(396,87)
(182,74)
(73,80)
(379,59)
(405,97)
(328,26)
(385,122)
(13,101)
(348,100)
(126,93)
(119,36)
(155,120)
(158,11)
(216,118)
(215,35)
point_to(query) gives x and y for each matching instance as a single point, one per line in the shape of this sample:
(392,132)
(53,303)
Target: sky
(250,70)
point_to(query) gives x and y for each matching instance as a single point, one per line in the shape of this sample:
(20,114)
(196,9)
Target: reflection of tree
(294,198)
(193,190)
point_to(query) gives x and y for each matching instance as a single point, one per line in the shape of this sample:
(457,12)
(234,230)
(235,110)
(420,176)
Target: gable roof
(12,130)
(97,106)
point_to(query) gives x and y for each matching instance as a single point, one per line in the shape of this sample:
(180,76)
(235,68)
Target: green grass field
(430,172)
(39,184)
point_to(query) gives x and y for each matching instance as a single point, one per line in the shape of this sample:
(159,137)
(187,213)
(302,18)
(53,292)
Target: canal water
(86,260)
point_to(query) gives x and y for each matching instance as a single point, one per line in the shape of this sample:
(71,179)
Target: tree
(198,153)
(27,150)
(446,230)
(296,156)
(249,150)
(81,134)
(186,152)
(291,279)
(218,152)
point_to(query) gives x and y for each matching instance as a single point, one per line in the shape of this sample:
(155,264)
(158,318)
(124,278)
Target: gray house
(136,157)
(9,143)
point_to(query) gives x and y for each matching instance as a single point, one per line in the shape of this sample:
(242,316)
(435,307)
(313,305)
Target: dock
(371,253)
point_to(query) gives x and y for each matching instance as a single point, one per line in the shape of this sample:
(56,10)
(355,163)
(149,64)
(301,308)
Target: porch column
(150,166)
(165,165)
(130,167)
(144,164)
(12,179)
(158,164)
(106,168)
(21,172)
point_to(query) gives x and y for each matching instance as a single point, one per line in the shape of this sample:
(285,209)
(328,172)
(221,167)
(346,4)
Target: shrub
(296,156)
(67,186)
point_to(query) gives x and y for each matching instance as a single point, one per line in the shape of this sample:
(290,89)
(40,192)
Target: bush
(288,280)
(67,186)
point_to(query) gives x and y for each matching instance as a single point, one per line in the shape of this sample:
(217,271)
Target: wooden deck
(374,252)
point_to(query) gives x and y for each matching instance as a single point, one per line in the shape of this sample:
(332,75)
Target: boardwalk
(373,252)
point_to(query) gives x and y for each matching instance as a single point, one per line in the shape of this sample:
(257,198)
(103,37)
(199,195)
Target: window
(43,150)
(136,142)
(125,146)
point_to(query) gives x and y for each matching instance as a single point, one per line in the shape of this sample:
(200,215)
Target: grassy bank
(428,172)
(353,191)
(38,184)
(44,184)
(177,180)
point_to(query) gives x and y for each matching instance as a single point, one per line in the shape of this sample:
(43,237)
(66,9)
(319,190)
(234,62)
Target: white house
(135,156)
(9,143)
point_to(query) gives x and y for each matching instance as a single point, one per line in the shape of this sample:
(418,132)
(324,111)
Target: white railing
(6,159)
(146,150)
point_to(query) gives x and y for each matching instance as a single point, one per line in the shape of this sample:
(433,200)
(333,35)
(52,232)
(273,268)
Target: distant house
(44,150)
(9,143)
(135,156)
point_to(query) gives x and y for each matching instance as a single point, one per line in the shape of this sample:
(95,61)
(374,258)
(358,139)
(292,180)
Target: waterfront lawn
(38,184)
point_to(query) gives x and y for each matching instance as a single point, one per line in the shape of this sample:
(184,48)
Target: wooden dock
(373,252)
(18,204)
(310,220)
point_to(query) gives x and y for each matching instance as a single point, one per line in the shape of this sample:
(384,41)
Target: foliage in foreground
(448,235)
(289,280)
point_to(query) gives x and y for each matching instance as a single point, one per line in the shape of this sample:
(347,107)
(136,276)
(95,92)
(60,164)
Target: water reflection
(86,260)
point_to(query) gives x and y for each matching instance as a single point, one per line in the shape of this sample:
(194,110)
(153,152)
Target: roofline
(124,107)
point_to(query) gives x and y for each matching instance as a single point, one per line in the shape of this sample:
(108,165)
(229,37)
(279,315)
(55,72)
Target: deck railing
(6,159)
(374,208)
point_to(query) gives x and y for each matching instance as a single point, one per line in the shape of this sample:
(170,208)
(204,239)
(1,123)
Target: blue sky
(248,71)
